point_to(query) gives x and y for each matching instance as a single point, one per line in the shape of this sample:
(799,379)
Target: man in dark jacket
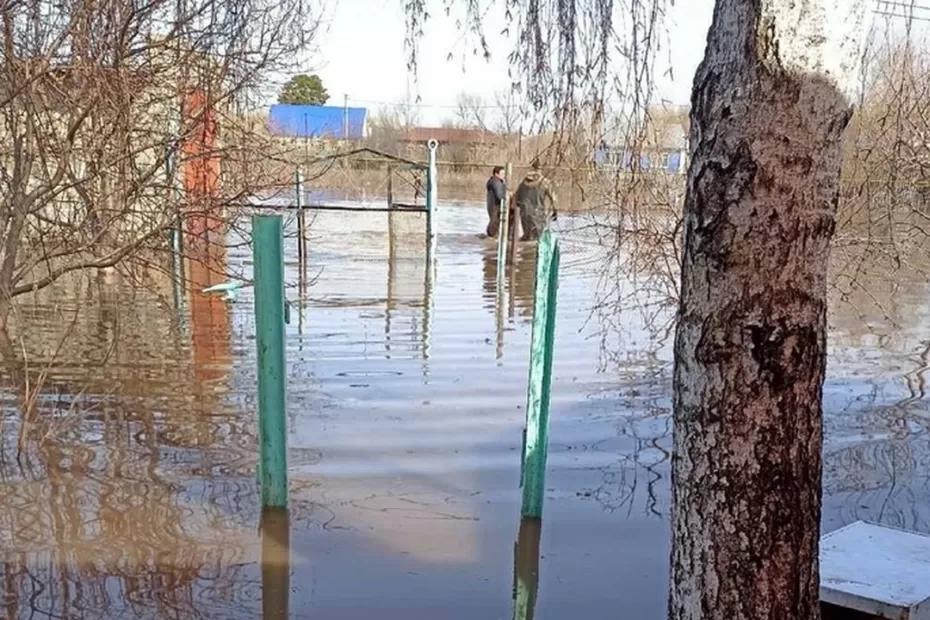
(497,189)
(536,201)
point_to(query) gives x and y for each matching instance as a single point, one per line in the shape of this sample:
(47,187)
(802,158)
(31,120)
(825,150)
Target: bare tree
(570,58)
(884,217)
(509,116)
(471,112)
(771,101)
(105,105)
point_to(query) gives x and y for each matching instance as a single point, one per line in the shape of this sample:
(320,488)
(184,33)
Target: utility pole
(345,117)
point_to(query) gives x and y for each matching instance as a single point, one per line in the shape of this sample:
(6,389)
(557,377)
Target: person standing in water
(536,201)
(497,190)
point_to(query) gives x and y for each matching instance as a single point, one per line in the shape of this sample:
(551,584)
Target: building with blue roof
(318,121)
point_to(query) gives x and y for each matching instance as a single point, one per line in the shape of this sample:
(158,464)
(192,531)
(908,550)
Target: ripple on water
(406,392)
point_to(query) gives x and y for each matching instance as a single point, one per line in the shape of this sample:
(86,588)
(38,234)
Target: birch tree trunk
(769,106)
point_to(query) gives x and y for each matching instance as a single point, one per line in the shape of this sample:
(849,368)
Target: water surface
(405,410)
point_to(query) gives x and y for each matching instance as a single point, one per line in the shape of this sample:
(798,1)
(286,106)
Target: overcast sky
(361,54)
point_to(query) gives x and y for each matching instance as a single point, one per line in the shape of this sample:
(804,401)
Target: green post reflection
(526,569)
(276,563)
(429,279)
(500,301)
(390,303)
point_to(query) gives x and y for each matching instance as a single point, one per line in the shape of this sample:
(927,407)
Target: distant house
(654,159)
(318,122)
(665,148)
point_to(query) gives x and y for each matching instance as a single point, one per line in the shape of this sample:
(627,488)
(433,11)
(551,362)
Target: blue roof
(316,121)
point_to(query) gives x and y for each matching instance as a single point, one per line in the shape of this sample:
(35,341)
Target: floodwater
(405,409)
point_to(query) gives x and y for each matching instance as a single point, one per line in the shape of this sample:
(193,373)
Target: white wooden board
(877,570)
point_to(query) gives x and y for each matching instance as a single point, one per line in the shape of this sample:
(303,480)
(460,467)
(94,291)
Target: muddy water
(406,394)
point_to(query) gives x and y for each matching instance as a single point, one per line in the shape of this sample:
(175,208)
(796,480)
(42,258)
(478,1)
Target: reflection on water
(517,292)
(137,497)
(526,569)
(276,563)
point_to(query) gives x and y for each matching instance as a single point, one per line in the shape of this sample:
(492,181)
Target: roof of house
(317,121)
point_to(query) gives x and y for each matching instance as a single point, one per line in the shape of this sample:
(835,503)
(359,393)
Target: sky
(360,54)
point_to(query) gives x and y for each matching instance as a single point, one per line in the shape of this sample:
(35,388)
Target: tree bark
(769,106)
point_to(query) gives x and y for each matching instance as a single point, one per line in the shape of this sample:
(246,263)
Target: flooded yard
(405,411)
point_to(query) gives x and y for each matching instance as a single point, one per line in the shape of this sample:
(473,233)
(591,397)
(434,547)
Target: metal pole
(432,197)
(345,117)
(515,234)
(503,233)
(301,219)
(390,186)
(268,257)
(536,433)
(517,226)
(432,192)
(175,235)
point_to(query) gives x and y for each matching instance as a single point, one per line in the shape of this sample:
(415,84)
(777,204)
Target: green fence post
(535,439)
(268,257)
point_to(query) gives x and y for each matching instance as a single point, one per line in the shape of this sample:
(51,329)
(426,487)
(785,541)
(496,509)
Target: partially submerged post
(536,433)
(268,257)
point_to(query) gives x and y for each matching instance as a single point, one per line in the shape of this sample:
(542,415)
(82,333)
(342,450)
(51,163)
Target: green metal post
(268,257)
(536,433)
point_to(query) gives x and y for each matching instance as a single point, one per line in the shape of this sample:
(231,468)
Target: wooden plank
(876,570)
(536,434)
